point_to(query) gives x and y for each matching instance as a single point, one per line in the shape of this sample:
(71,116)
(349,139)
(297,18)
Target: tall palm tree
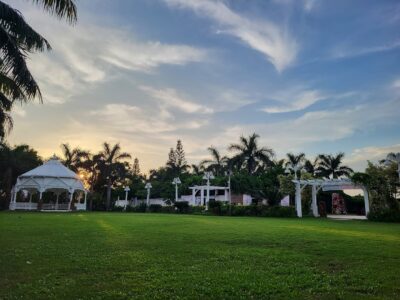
(111,157)
(217,163)
(311,166)
(73,158)
(293,162)
(13,162)
(17,40)
(331,166)
(250,155)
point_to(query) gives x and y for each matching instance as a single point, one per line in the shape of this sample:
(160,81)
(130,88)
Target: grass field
(123,256)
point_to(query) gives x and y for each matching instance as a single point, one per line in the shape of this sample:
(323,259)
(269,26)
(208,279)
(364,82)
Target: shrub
(182,206)
(168,209)
(117,208)
(215,207)
(197,210)
(155,207)
(142,207)
(280,212)
(384,215)
(238,210)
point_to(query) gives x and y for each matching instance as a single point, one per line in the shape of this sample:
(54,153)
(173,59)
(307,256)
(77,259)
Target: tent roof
(51,168)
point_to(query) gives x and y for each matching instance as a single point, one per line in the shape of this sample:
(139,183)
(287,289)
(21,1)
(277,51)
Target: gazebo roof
(53,168)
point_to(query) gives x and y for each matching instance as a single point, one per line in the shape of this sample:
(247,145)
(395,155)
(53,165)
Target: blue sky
(308,76)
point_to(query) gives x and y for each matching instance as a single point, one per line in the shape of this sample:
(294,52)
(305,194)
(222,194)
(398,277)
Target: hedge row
(216,208)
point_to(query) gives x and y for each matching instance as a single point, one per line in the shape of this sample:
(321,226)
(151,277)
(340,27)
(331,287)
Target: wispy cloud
(171,98)
(295,99)
(358,157)
(88,54)
(347,52)
(272,40)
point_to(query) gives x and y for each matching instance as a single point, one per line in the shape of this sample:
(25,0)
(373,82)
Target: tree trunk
(108,194)
(8,186)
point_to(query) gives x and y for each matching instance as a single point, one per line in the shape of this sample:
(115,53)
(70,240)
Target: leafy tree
(177,163)
(14,161)
(136,167)
(111,166)
(17,41)
(293,161)
(217,164)
(249,154)
(331,166)
(311,166)
(73,158)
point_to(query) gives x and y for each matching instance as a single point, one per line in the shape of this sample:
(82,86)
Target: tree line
(254,169)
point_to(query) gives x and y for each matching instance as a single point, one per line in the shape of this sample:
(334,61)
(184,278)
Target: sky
(312,76)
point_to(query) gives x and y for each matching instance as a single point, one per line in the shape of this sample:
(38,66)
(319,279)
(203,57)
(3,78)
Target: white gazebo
(51,177)
(325,185)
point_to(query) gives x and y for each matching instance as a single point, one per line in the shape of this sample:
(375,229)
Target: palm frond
(60,8)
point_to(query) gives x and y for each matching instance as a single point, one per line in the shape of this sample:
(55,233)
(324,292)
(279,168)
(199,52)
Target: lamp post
(148,188)
(229,174)
(207,176)
(126,189)
(176,181)
(393,158)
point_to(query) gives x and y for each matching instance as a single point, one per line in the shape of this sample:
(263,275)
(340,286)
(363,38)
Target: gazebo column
(314,201)
(226,195)
(85,199)
(193,196)
(40,202)
(298,200)
(366,200)
(202,196)
(57,196)
(70,199)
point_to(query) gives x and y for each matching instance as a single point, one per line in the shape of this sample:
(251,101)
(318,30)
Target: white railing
(121,203)
(23,205)
(80,206)
(52,206)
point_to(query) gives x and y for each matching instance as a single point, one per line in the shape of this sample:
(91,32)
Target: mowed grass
(158,256)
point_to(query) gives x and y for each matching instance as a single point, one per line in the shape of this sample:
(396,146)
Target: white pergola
(54,177)
(205,194)
(326,185)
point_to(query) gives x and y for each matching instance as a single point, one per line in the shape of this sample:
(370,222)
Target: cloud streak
(272,40)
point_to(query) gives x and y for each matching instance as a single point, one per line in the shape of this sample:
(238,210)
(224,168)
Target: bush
(142,207)
(182,206)
(197,210)
(155,207)
(280,212)
(168,209)
(384,215)
(215,207)
(117,208)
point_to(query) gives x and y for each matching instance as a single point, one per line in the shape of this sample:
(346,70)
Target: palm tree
(217,163)
(17,40)
(13,162)
(197,169)
(311,166)
(111,157)
(293,162)
(73,158)
(331,166)
(250,154)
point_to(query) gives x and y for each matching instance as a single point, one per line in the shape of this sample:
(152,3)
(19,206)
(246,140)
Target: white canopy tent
(53,177)
(326,185)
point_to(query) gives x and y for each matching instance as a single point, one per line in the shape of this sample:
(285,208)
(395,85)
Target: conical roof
(51,168)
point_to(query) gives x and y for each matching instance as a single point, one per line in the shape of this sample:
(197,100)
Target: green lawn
(122,256)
